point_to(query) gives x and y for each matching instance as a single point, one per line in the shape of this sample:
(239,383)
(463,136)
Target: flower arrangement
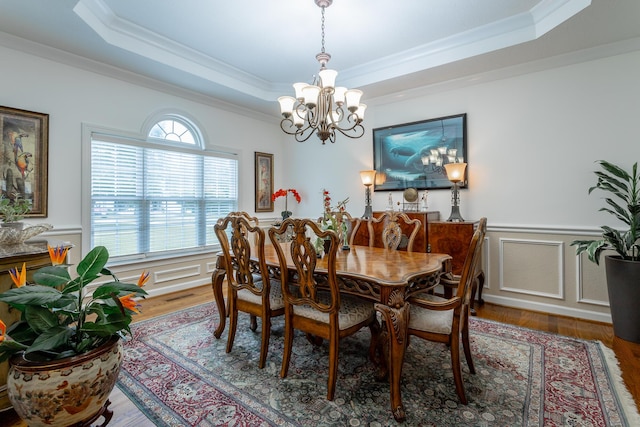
(282,192)
(59,317)
(332,218)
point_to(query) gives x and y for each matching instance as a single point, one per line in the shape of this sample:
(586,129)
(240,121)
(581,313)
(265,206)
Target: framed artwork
(413,155)
(264,182)
(24,157)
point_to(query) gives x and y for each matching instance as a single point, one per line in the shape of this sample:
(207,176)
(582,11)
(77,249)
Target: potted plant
(68,337)
(622,269)
(13,211)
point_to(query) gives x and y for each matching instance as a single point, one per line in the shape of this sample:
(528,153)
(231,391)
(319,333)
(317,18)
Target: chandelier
(320,107)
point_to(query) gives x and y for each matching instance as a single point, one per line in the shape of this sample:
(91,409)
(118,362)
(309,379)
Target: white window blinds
(152,199)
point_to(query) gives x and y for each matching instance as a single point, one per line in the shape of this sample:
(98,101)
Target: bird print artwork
(23,163)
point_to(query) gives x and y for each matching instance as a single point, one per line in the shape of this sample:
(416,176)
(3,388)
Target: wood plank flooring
(628,354)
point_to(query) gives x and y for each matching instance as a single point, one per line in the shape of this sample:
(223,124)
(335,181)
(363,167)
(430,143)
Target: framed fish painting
(24,157)
(413,155)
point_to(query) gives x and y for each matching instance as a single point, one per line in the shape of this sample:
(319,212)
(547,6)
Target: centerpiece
(336,218)
(286,213)
(65,352)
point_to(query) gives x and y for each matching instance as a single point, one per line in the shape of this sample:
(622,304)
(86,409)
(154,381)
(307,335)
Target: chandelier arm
(358,131)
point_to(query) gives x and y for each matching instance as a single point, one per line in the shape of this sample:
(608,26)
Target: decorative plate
(410,195)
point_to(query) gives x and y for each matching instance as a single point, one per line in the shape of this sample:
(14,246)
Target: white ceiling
(248,52)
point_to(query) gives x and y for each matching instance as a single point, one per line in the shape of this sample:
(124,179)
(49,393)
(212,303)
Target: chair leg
(465,343)
(288,345)
(457,369)
(376,330)
(253,323)
(333,365)
(264,342)
(233,324)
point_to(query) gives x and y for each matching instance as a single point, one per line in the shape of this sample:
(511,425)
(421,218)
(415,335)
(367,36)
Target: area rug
(178,374)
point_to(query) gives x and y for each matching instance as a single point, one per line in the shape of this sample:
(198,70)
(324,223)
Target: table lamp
(455,174)
(368,178)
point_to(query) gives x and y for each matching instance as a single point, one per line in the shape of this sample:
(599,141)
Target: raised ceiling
(248,52)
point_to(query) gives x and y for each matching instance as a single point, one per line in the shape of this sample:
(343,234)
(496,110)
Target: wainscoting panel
(532,267)
(589,282)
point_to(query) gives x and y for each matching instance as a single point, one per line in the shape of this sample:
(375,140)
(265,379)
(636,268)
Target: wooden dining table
(386,277)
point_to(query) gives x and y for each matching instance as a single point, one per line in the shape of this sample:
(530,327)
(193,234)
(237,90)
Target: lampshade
(368,177)
(455,171)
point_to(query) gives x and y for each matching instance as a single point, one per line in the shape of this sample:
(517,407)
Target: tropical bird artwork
(23,163)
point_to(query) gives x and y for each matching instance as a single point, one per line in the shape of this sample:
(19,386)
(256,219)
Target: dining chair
(343,217)
(438,319)
(313,304)
(250,289)
(386,231)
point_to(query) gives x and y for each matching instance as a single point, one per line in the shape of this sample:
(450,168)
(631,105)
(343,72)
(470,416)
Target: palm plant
(625,206)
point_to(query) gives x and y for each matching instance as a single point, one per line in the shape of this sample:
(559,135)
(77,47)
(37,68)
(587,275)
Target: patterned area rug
(178,374)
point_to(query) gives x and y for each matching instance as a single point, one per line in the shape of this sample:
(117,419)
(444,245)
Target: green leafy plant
(624,187)
(60,318)
(14,210)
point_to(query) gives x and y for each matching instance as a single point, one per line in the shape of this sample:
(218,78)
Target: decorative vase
(622,285)
(285,214)
(64,392)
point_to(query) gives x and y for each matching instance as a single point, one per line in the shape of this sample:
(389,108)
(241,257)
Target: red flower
(282,192)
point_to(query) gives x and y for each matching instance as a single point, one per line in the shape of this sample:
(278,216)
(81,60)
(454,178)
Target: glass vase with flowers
(336,218)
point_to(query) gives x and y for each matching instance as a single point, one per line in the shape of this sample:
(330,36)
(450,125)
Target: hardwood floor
(628,354)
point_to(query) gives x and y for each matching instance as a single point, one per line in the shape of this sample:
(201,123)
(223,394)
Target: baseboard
(548,308)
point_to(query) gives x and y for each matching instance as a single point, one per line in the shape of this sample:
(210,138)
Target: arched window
(162,194)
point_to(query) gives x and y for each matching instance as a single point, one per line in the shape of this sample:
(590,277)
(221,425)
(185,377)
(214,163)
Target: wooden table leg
(395,315)
(217,278)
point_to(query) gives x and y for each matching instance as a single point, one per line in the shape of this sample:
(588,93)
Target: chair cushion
(427,320)
(276,300)
(352,311)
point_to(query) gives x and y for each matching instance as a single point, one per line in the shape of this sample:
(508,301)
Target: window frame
(91,132)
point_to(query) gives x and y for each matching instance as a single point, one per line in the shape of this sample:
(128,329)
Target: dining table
(386,277)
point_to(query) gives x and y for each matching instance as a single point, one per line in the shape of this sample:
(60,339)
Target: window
(160,195)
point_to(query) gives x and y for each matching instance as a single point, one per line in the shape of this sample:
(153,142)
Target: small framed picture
(24,157)
(264,182)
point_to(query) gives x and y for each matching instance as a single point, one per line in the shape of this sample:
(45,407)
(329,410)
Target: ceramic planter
(67,391)
(623,285)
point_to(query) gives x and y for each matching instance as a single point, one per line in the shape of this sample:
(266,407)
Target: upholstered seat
(313,303)
(447,320)
(251,290)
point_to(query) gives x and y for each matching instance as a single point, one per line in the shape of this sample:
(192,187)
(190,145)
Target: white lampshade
(298,120)
(360,111)
(286,105)
(368,177)
(310,93)
(352,96)
(455,171)
(298,88)
(338,95)
(328,78)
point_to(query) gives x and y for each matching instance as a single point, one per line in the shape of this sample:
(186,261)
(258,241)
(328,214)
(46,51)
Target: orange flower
(3,330)
(129,303)
(143,279)
(19,278)
(58,254)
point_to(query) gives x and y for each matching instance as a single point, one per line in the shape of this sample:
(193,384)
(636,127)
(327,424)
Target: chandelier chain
(322,29)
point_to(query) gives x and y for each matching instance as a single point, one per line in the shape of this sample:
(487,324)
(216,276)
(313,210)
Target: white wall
(532,143)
